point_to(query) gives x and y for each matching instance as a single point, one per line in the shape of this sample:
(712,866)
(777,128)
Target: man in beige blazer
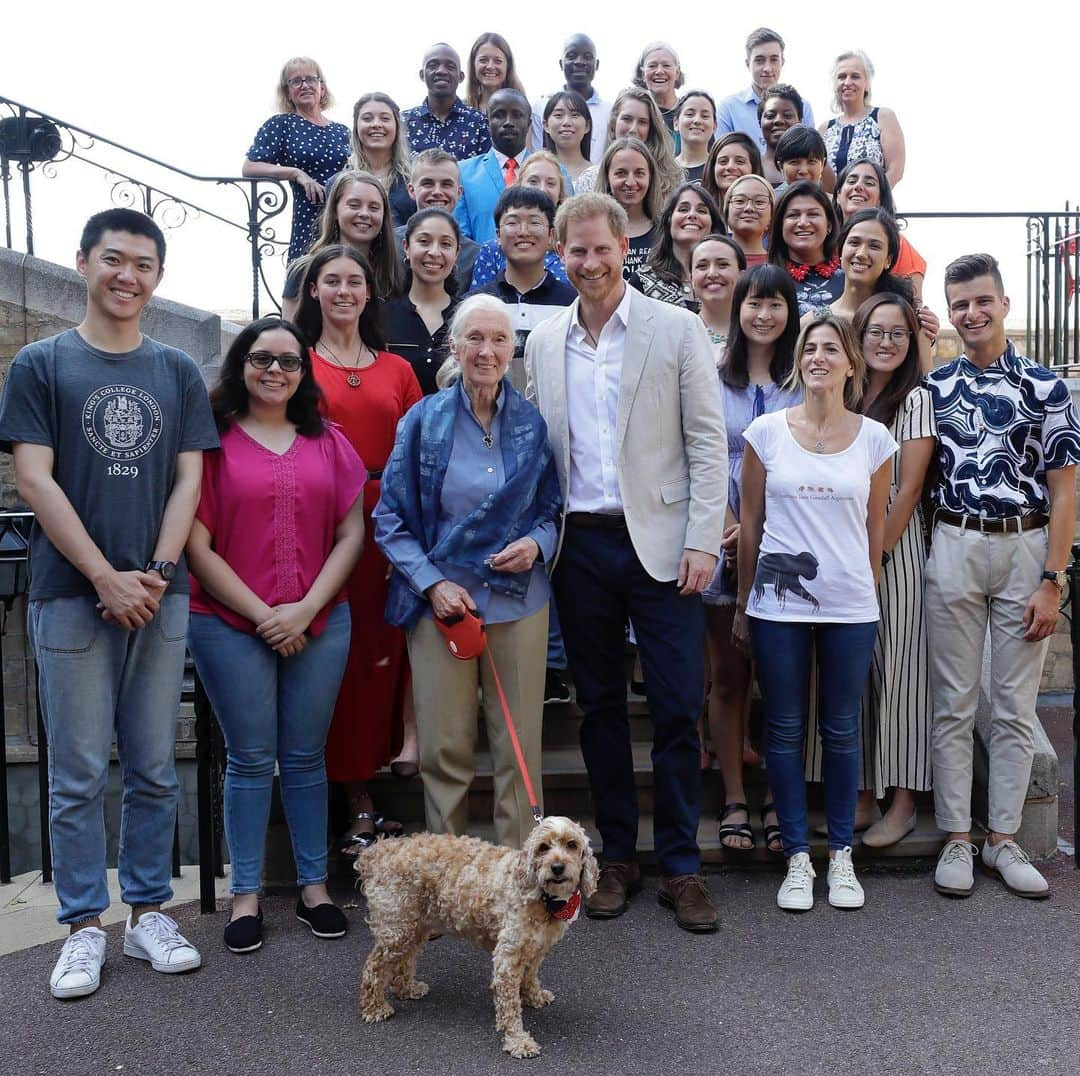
(629,390)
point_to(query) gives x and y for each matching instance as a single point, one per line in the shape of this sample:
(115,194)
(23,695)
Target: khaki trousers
(444,691)
(974,580)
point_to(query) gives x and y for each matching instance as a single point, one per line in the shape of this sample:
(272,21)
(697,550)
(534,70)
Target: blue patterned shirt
(999,431)
(464,133)
(491,261)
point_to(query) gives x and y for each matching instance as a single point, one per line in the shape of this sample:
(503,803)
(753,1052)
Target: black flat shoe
(244,935)
(325,920)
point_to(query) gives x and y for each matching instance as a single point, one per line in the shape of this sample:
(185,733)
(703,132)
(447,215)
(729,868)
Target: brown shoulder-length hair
(284,104)
(652,194)
(908,374)
(385,265)
(853,387)
(708,177)
(473,89)
(778,249)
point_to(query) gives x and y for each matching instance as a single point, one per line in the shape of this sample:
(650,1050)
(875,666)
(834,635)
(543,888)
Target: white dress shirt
(592,408)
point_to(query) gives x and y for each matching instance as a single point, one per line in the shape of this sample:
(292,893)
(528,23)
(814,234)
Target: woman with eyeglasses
(367,390)
(301,145)
(278,529)
(748,212)
(897,712)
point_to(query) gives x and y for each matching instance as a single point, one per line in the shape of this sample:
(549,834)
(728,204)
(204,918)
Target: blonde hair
(400,162)
(284,103)
(383,258)
(660,143)
(536,157)
(853,389)
(868,71)
(589,206)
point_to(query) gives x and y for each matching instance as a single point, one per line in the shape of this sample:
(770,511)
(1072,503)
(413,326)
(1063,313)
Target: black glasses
(303,80)
(897,336)
(263,360)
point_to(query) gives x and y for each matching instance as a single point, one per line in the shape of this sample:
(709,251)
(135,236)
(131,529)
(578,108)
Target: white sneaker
(797,892)
(844,888)
(157,938)
(1007,860)
(78,971)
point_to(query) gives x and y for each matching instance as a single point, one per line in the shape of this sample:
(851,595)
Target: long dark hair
(708,177)
(577,104)
(897,285)
(761,282)
(309,317)
(885,195)
(450,284)
(908,374)
(662,258)
(778,250)
(229,397)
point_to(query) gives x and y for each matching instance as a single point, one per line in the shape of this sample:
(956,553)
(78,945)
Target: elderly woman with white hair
(468,517)
(860,131)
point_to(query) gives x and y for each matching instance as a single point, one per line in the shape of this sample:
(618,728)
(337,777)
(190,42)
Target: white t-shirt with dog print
(814,562)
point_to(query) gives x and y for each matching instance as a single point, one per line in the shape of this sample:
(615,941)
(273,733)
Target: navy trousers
(599,583)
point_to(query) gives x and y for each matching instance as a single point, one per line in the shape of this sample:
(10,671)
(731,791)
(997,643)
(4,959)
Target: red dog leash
(466,639)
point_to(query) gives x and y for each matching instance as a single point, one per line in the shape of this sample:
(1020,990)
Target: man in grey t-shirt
(107,428)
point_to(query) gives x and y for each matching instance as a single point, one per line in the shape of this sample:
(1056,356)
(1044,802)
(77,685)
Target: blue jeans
(272,709)
(598,584)
(97,680)
(783,651)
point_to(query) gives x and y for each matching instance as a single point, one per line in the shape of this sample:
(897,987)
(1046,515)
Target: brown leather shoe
(689,896)
(618,882)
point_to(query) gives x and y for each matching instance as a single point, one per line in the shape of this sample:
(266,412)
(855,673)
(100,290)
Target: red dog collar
(567,910)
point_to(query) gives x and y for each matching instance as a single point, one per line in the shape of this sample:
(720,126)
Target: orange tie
(510,168)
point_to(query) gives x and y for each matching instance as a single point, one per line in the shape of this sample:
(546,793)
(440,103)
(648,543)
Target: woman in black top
(416,323)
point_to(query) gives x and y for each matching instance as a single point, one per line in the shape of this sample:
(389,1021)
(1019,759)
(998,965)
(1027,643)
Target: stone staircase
(566,792)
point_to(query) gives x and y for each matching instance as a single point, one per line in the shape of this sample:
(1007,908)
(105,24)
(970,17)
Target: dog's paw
(521,1044)
(377,1013)
(411,991)
(537,999)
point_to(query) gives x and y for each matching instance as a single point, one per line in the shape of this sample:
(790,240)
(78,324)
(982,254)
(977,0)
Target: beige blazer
(670,439)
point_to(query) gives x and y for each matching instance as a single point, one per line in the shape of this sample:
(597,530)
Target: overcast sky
(987,102)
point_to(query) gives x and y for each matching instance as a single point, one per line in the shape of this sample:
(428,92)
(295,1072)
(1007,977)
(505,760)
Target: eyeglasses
(263,360)
(538,225)
(897,336)
(740,201)
(303,80)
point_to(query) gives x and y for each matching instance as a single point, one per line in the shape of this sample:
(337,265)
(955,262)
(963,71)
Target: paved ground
(914,984)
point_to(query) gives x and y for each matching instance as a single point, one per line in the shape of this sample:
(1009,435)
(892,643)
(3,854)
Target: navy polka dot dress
(290,140)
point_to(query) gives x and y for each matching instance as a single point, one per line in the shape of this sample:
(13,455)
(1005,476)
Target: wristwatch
(165,568)
(1061,578)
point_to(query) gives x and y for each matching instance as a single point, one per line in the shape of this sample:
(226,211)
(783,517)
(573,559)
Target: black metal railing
(1052,256)
(38,144)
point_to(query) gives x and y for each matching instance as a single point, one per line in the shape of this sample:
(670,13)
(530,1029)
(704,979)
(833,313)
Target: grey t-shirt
(116,424)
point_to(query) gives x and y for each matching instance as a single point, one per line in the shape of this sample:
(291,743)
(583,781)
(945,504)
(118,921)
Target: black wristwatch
(165,568)
(1061,578)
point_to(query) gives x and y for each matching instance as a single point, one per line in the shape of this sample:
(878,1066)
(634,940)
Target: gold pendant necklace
(353,379)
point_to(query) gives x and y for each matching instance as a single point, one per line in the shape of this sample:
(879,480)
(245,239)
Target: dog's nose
(558,869)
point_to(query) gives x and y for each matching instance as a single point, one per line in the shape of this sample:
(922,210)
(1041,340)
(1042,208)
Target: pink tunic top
(272,518)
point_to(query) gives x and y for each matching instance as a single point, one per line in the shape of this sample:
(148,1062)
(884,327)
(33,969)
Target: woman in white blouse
(815,484)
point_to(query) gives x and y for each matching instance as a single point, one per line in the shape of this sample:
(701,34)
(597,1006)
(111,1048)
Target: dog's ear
(528,879)
(589,871)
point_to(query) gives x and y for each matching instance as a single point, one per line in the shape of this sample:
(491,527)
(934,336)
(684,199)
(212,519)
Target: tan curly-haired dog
(512,904)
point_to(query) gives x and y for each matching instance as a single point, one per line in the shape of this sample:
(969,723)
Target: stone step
(920,846)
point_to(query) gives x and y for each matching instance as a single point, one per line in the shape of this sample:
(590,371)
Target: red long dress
(366,729)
